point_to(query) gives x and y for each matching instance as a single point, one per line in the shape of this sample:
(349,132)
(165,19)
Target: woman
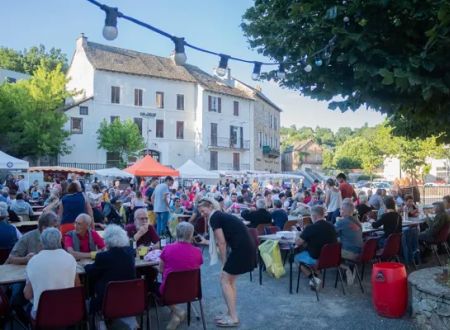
(73,204)
(363,206)
(333,200)
(228,231)
(390,220)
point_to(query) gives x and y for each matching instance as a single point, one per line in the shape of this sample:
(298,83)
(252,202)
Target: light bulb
(256,71)
(318,62)
(308,68)
(223,65)
(280,73)
(180,58)
(346,19)
(255,76)
(221,72)
(110,32)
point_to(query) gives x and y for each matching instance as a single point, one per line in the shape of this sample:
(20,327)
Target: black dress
(241,258)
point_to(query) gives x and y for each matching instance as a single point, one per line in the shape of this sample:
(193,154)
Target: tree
(391,56)
(30,60)
(121,137)
(31,123)
(342,134)
(325,136)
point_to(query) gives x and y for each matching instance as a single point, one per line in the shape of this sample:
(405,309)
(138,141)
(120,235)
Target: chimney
(81,41)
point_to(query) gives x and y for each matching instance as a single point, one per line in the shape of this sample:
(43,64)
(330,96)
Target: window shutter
(209,102)
(219,105)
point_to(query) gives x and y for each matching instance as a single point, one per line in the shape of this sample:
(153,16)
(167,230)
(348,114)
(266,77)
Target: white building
(11,76)
(183,112)
(439,169)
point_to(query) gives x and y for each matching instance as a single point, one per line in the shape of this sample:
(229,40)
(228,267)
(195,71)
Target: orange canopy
(147,166)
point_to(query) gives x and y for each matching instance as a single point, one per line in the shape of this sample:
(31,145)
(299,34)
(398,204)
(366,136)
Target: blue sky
(211,24)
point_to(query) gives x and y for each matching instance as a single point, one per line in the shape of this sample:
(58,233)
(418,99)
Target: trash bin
(389,289)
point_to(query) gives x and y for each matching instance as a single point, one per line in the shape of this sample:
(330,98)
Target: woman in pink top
(179,256)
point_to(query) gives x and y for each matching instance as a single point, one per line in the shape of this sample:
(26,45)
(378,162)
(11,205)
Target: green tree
(121,137)
(32,124)
(342,134)
(324,136)
(391,56)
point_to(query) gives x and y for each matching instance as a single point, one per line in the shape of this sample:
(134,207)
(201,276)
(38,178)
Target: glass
(142,251)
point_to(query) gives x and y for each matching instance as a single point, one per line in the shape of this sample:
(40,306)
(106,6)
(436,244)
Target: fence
(427,194)
(85,166)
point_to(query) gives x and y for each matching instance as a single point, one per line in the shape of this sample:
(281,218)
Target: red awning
(147,166)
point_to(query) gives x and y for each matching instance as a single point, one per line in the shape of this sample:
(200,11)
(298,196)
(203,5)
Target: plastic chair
(60,308)
(391,248)
(441,238)
(288,225)
(4,254)
(181,287)
(330,257)
(124,299)
(254,235)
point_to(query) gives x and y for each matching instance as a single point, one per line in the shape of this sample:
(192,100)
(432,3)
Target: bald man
(83,240)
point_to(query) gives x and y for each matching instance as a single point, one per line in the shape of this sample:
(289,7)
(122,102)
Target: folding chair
(391,248)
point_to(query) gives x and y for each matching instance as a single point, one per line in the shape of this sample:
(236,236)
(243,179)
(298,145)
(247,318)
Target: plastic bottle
(405,212)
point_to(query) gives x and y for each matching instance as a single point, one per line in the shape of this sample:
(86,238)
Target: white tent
(10,163)
(191,170)
(113,172)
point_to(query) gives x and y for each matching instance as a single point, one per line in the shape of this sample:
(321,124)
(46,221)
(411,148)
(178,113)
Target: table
(367,226)
(36,214)
(37,207)
(25,223)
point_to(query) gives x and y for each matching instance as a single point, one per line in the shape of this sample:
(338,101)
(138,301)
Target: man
(315,236)
(160,201)
(314,186)
(53,268)
(346,188)
(446,201)
(441,218)
(258,216)
(376,200)
(398,199)
(21,207)
(83,240)
(22,185)
(149,192)
(8,233)
(141,231)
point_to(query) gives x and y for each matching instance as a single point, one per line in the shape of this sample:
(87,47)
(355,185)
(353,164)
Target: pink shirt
(84,242)
(179,256)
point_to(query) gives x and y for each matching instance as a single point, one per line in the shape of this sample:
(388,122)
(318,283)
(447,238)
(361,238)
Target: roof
(147,166)
(260,95)
(75,104)
(303,144)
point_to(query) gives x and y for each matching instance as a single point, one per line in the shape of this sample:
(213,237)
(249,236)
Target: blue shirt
(279,217)
(349,231)
(73,205)
(160,194)
(8,235)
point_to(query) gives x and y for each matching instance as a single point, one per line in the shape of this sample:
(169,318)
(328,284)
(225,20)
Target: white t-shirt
(335,200)
(49,270)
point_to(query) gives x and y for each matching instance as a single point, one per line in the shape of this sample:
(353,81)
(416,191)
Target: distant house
(303,154)
(9,76)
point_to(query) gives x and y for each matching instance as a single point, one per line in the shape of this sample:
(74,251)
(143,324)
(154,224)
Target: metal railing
(234,167)
(85,166)
(228,143)
(431,194)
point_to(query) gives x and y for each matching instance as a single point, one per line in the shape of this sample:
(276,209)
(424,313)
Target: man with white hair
(141,231)
(258,216)
(40,271)
(83,240)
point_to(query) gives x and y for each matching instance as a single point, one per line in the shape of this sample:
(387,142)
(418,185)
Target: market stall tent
(147,166)
(113,172)
(11,163)
(59,169)
(191,170)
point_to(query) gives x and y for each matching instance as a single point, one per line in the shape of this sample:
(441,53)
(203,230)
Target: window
(138,97)
(236,108)
(10,80)
(236,162)
(233,136)
(213,160)
(180,129)
(160,100)
(115,94)
(84,110)
(113,118)
(213,137)
(275,124)
(180,102)
(159,128)
(214,104)
(138,122)
(112,159)
(76,125)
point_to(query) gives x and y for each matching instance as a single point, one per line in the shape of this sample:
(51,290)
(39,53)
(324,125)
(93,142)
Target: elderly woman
(258,216)
(229,233)
(179,256)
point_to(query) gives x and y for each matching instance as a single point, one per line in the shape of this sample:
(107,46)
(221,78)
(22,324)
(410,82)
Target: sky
(210,24)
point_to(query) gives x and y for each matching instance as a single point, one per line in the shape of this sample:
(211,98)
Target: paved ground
(270,306)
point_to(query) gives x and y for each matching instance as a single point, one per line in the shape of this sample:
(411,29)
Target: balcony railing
(227,143)
(85,166)
(271,152)
(233,167)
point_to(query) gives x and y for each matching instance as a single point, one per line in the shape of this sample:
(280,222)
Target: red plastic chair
(61,308)
(330,257)
(124,299)
(4,254)
(441,238)
(254,235)
(391,248)
(181,287)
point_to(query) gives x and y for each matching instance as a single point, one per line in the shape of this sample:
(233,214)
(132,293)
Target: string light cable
(110,32)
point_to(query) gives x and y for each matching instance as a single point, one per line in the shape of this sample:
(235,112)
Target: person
(441,218)
(160,201)
(176,207)
(363,207)
(390,220)
(346,188)
(21,207)
(138,201)
(179,256)
(83,240)
(279,215)
(22,184)
(95,196)
(314,186)
(228,232)
(141,231)
(151,185)
(411,207)
(258,216)
(9,234)
(116,263)
(333,200)
(446,201)
(268,199)
(376,201)
(72,204)
(52,268)
(398,199)
(311,240)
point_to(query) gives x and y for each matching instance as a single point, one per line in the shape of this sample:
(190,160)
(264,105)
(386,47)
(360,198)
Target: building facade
(182,112)
(303,155)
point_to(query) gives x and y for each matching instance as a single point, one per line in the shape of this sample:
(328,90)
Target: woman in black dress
(236,250)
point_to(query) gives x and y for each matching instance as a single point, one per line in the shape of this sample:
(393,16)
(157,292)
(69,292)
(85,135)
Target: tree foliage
(391,56)
(121,137)
(31,123)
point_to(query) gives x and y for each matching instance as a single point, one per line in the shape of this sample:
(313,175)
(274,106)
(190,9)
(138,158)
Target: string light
(110,32)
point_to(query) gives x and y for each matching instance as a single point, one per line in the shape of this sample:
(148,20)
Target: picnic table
(25,223)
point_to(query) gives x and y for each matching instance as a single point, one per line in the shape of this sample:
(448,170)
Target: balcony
(271,152)
(226,143)
(233,167)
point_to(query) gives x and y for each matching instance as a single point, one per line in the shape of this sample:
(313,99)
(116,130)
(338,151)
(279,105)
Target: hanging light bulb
(256,71)
(281,74)
(223,64)
(318,61)
(110,29)
(308,68)
(180,56)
